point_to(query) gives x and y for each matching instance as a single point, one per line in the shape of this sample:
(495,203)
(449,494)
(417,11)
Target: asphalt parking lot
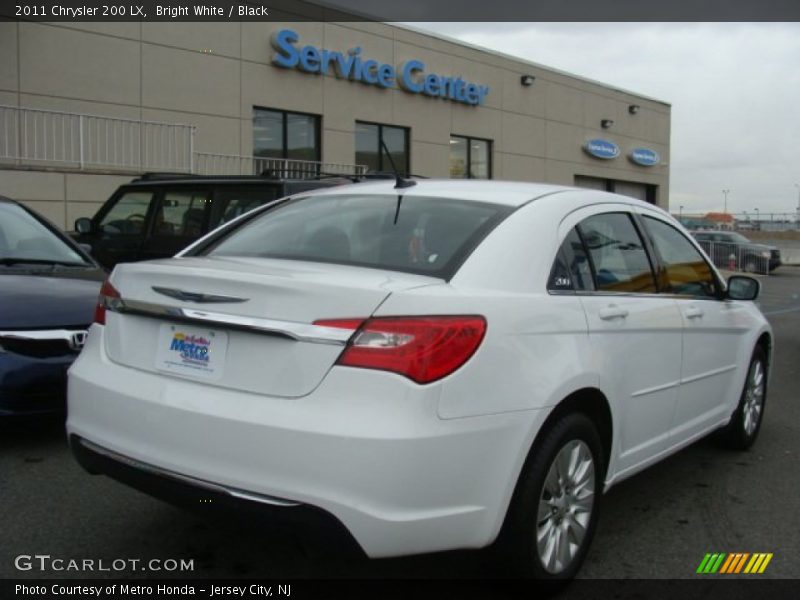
(658,524)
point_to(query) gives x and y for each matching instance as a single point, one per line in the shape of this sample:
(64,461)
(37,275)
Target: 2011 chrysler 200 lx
(431,365)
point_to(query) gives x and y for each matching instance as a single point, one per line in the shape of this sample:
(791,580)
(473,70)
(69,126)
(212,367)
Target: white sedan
(426,365)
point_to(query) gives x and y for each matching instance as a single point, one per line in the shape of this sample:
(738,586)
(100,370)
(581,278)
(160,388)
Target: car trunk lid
(242,323)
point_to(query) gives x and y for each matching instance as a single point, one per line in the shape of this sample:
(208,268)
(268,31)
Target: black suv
(158,215)
(731,250)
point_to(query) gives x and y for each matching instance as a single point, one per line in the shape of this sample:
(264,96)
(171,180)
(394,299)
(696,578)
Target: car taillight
(108,294)
(424,349)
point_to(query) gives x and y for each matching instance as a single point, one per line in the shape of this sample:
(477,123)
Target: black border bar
(372,589)
(401,10)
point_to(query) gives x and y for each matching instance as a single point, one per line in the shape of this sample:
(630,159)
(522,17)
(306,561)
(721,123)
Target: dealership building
(85,107)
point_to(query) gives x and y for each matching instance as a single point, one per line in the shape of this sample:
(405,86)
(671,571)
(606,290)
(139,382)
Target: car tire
(745,423)
(751,266)
(553,514)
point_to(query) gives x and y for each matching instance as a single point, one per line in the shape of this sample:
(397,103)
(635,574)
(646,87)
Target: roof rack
(265,174)
(273,174)
(388,175)
(150,175)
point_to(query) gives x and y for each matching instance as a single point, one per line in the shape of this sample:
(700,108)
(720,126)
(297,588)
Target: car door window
(182,213)
(127,215)
(685,271)
(617,253)
(571,270)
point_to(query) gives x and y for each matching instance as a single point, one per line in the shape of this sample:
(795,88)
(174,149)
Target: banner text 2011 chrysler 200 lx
(430,365)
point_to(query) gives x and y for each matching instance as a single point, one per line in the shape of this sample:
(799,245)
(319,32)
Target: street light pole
(680,212)
(797,218)
(725,193)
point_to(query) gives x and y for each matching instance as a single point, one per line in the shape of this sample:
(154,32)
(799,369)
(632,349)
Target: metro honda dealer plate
(191,351)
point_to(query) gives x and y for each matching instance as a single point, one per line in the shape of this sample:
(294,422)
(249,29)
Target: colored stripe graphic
(726,566)
(741,562)
(758,563)
(711,563)
(734,562)
(703,563)
(765,563)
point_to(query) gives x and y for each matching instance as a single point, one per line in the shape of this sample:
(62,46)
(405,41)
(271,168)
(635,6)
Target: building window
(470,158)
(373,140)
(642,191)
(281,134)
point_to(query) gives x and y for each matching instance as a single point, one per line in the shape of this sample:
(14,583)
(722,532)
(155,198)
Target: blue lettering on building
(409,76)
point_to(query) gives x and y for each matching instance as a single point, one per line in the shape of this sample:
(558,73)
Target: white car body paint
(411,468)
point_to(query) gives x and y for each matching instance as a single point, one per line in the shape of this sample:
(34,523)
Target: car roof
(509,193)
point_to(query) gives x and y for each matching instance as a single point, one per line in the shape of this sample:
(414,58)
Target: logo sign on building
(410,76)
(644,157)
(602,149)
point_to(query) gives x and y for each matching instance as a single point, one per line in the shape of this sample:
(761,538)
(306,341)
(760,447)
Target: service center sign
(644,157)
(409,76)
(604,149)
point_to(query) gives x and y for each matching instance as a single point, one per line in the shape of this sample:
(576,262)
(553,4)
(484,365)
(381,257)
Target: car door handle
(613,311)
(693,312)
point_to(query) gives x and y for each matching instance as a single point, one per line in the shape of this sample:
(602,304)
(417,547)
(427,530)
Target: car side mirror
(741,287)
(83,225)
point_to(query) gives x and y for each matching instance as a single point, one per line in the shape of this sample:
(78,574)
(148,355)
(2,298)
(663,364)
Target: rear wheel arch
(594,404)
(586,410)
(588,401)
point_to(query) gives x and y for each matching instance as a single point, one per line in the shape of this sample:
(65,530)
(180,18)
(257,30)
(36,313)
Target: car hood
(39,301)
(763,247)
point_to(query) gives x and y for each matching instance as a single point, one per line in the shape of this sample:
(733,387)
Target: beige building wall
(211,75)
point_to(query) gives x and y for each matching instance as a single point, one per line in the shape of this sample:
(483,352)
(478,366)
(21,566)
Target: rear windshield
(427,236)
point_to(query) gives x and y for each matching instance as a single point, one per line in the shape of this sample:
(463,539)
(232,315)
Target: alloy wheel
(754,397)
(565,506)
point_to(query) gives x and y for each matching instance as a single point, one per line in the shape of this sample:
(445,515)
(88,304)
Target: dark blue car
(48,291)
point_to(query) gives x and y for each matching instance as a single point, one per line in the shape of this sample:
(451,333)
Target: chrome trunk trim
(301,332)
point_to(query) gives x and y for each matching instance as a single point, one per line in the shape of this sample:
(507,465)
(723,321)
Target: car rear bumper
(200,495)
(366,447)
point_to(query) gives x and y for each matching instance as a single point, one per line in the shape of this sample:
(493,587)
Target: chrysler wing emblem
(196,296)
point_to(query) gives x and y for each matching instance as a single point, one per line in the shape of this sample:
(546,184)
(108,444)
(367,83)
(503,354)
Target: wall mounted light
(527,80)
(634,108)
(606,123)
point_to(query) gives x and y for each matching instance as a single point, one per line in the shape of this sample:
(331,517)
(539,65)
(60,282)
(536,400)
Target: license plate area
(191,351)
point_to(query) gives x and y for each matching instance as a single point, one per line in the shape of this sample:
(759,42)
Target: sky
(734,90)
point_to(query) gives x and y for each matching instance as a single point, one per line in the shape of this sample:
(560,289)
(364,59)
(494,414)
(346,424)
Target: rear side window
(182,213)
(428,236)
(571,270)
(617,252)
(685,270)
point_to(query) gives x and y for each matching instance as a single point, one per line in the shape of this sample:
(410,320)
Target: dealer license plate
(191,351)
